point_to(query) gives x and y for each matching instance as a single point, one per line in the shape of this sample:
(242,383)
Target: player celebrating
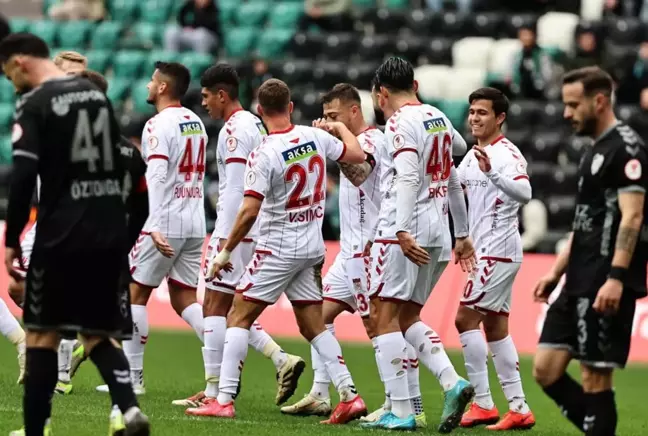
(173,144)
(11,329)
(345,284)
(287,175)
(420,179)
(605,260)
(242,133)
(496,183)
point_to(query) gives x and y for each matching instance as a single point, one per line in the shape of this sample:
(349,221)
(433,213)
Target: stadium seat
(272,43)
(227,12)
(513,22)
(565,179)
(240,40)
(551,115)
(159,55)
(556,29)
(502,55)
(309,105)
(410,48)
(197,63)
(339,45)
(367,106)
(364,3)
(437,51)
(520,135)
(297,72)
(6,149)
(396,4)
(7,90)
(384,20)
(143,35)
(463,82)
(327,74)
(138,96)
(99,60)
(154,11)
(6,116)
(486,24)
(422,22)
(627,112)
(456,111)
(625,30)
(285,15)
(129,63)
(118,88)
(74,33)
(472,52)
(45,29)
(541,177)
(592,10)
(106,35)
(47,4)
(574,148)
(375,47)
(360,74)
(123,10)
(19,24)
(561,211)
(453,25)
(252,13)
(546,145)
(524,113)
(306,44)
(431,80)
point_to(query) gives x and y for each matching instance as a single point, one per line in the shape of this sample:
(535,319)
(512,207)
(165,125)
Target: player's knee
(17,291)
(544,373)
(217,303)
(181,299)
(139,294)
(596,379)
(369,327)
(495,327)
(309,330)
(467,319)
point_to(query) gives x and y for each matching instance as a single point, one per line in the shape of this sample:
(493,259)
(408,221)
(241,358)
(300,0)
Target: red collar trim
(367,129)
(498,139)
(412,104)
(279,132)
(233,112)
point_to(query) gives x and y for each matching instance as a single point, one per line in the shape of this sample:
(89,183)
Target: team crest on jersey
(262,128)
(597,161)
(191,128)
(250,178)
(16,133)
(633,169)
(302,151)
(435,125)
(152,142)
(231,143)
(398,141)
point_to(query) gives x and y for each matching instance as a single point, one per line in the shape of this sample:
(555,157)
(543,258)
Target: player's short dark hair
(344,92)
(96,78)
(495,96)
(274,96)
(23,44)
(395,74)
(594,79)
(179,75)
(221,77)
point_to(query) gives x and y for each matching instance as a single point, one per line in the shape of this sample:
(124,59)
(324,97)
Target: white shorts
(240,258)
(489,289)
(26,247)
(347,282)
(395,277)
(149,267)
(268,276)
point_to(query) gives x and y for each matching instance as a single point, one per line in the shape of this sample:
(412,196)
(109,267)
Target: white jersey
(425,131)
(242,133)
(288,172)
(359,205)
(177,136)
(493,215)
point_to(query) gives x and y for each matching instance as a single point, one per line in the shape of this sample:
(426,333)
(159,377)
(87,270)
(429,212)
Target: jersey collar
(279,132)
(233,112)
(496,140)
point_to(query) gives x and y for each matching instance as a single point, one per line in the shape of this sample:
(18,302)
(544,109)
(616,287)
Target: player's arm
(457,205)
(235,164)
(245,219)
(512,181)
(157,169)
(348,150)
(548,282)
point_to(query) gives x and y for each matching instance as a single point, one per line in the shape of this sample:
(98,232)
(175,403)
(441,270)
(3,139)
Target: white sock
(262,342)
(215,327)
(413,385)
(134,348)
(387,403)
(431,352)
(505,358)
(234,354)
(475,353)
(65,359)
(193,315)
(321,378)
(331,354)
(9,326)
(393,364)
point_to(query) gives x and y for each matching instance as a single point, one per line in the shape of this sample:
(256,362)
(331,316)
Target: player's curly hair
(222,77)
(395,74)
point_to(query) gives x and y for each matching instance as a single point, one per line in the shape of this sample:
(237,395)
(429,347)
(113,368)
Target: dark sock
(113,366)
(40,381)
(569,396)
(601,417)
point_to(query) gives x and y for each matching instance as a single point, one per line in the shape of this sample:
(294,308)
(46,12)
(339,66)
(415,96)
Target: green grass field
(174,370)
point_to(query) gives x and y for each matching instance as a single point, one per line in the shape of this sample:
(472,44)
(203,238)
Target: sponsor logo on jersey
(61,103)
(191,128)
(261,128)
(435,125)
(300,152)
(597,161)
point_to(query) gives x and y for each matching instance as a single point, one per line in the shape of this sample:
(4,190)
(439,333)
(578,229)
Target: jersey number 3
(440,162)
(187,164)
(298,172)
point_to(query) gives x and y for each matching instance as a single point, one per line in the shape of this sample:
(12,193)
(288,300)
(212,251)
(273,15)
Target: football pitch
(173,370)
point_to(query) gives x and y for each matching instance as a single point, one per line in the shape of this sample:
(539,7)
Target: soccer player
(11,329)
(413,243)
(66,133)
(496,184)
(285,181)
(173,144)
(71,62)
(242,133)
(604,261)
(346,282)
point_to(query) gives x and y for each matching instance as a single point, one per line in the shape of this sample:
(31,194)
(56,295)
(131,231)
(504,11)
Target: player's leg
(11,329)
(66,346)
(550,362)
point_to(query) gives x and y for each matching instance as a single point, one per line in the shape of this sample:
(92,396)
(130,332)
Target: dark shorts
(596,340)
(79,292)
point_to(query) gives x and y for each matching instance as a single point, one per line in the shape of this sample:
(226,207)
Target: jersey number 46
(440,162)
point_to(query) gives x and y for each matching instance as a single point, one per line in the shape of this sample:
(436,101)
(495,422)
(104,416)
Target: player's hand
(321,123)
(608,297)
(482,158)
(215,268)
(544,288)
(162,244)
(367,249)
(465,254)
(411,249)
(12,254)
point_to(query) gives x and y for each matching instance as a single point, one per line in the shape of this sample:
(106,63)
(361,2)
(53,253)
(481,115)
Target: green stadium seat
(18,24)
(197,63)
(123,10)
(155,11)
(129,63)
(47,4)
(7,91)
(227,11)
(74,33)
(239,41)
(364,3)
(118,90)
(139,94)
(159,55)
(272,42)
(99,60)
(285,15)
(143,35)
(106,35)
(6,116)
(46,30)
(456,111)
(6,149)
(252,13)
(397,4)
